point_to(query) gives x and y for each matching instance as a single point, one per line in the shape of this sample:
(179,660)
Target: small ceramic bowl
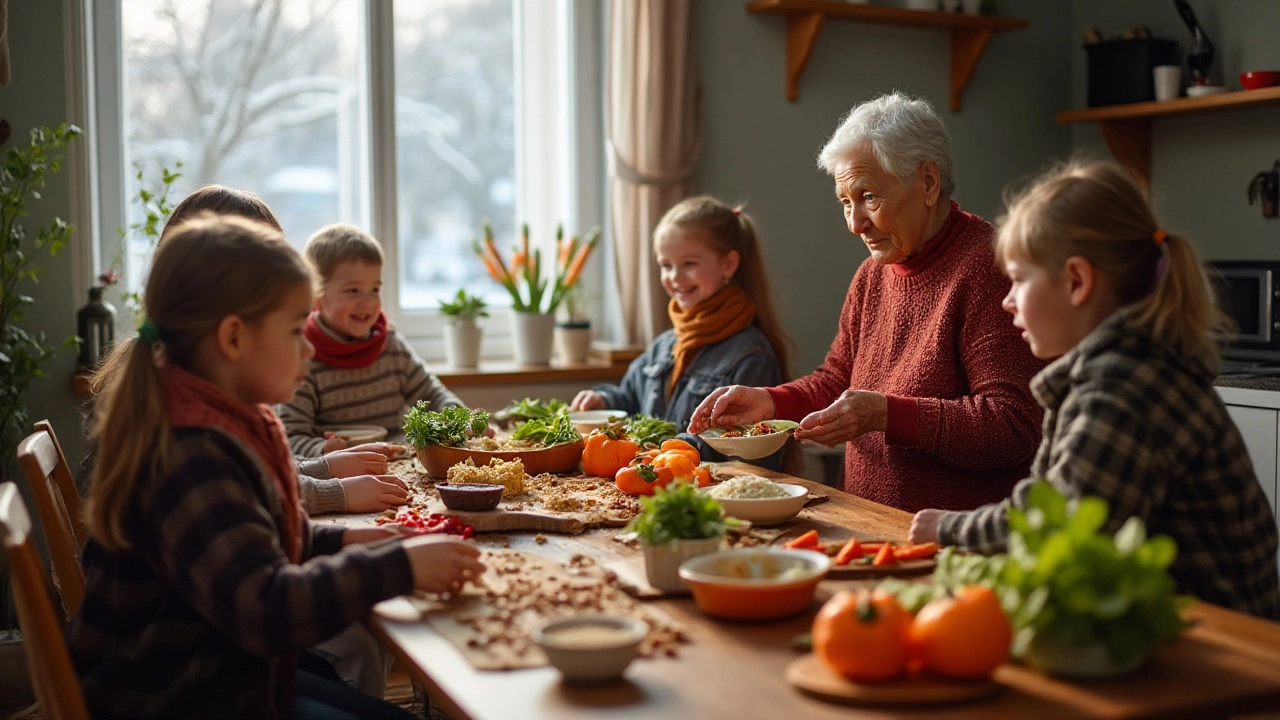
(750,447)
(587,420)
(591,648)
(755,583)
(1255,79)
(469,497)
(764,512)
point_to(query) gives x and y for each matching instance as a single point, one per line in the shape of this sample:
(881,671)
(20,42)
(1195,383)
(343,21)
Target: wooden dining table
(1227,663)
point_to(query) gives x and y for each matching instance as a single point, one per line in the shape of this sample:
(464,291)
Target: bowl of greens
(447,437)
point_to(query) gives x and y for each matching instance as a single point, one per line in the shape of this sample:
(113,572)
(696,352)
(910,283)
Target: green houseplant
(461,333)
(677,523)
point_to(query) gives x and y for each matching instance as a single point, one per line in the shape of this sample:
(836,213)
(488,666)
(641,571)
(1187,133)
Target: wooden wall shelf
(1127,128)
(969,33)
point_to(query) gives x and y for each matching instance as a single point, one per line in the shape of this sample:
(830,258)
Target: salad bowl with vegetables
(447,437)
(750,442)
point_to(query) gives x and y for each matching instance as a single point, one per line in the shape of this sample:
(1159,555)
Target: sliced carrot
(885,556)
(852,550)
(923,551)
(872,548)
(807,541)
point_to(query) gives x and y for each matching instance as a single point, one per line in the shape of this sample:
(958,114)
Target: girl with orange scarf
(724,332)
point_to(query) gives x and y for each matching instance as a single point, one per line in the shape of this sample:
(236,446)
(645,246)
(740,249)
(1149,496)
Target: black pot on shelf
(96,326)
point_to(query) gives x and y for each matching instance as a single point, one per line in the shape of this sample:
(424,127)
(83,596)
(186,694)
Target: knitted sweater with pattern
(930,334)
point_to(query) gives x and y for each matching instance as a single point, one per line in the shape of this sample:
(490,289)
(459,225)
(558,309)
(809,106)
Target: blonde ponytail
(1099,212)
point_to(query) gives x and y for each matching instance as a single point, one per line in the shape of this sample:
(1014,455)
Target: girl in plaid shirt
(204,576)
(1130,410)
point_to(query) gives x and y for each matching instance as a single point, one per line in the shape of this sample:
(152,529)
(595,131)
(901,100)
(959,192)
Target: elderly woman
(927,381)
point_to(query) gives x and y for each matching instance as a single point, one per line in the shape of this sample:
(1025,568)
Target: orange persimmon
(863,636)
(606,452)
(966,636)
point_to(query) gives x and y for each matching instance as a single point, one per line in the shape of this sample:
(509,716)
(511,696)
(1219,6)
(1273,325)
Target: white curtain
(654,136)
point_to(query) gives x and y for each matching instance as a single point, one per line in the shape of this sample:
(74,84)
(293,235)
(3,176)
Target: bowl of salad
(750,442)
(444,438)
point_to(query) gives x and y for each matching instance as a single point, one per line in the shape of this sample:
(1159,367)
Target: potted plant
(677,523)
(534,303)
(573,333)
(461,333)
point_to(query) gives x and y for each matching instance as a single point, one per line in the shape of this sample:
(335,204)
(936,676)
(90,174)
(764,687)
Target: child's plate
(357,434)
(750,442)
(587,420)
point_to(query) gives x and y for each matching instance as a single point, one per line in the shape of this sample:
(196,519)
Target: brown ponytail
(1097,211)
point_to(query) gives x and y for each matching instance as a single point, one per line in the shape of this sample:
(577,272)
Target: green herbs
(451,426)
(464,307)
(678,512)
(552,429)
(648,430)
(530,409)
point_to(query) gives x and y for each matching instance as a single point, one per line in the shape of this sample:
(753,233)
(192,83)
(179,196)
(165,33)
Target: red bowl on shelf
(1255,79)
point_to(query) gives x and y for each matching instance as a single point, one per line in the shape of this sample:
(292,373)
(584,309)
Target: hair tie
(737,211)
(1159,235)
(148,332)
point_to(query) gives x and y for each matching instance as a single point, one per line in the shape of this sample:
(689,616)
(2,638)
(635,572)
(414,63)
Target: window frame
(559,96)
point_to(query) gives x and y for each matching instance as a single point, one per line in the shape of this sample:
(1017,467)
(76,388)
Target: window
(416,120)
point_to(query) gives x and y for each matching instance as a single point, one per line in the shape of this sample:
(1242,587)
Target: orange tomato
(863,636)
(606,452)
(682,447)
(681,466)
(631,479)
(965,636)
(702,474)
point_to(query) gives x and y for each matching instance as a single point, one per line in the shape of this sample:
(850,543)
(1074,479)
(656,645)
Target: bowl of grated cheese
(758,499)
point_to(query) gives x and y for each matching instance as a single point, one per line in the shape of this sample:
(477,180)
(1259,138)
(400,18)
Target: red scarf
(720,316)
(342,354)
(195,402)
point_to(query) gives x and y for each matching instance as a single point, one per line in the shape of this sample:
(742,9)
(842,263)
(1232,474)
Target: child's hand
(924,526)
(442,565)
(356,461)
(361,535)
(370,493)
(332,442)
(587,400)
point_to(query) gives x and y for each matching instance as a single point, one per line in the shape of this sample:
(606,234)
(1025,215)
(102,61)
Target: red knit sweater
(930,334)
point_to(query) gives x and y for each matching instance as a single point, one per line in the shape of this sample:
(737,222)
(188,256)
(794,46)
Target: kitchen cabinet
(1257,414)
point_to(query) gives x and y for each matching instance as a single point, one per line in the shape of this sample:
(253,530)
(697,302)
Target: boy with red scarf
(363,372)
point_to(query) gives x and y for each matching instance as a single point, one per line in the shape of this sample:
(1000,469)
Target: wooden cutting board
(514,520)
(813,676)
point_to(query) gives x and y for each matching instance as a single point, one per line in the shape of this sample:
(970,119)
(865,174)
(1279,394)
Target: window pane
(455,138)
(259,95)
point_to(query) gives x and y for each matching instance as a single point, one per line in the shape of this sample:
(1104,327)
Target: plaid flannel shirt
(202,615)
(1135,423)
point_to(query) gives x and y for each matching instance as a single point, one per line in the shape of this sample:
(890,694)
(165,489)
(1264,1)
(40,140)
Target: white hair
(902,132)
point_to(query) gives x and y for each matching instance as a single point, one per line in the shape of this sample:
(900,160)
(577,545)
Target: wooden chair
(52,675)
(57,502)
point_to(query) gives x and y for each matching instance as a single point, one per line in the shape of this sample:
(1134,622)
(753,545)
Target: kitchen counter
(1250,392)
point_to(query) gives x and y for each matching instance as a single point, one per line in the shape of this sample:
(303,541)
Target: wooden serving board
(812,676)
(515,520)
(857,572)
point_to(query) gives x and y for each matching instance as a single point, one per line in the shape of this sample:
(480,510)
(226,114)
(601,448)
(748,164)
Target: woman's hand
(853,414)
(442,565)
(924,526)
(374,493)
(368,459)
(732,406)
(332,442)
(587,400)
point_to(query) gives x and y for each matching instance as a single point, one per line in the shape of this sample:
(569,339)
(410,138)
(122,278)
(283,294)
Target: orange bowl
(1255,79)
(437,459)
(755,583)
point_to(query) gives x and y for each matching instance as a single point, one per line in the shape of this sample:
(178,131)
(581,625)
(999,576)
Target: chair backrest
(52,675)
(57,501)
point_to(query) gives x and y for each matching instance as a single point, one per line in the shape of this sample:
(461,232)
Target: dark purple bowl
(469,497)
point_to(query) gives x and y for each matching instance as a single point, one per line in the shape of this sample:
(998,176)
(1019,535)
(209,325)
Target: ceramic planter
(462,343)
(1083,660)
(573,342)
(662,562)
(531,337)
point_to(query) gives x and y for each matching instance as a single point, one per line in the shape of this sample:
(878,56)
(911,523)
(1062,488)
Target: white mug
(1168,80)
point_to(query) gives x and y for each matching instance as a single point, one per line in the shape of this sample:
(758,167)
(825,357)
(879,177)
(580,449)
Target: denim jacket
(745,358)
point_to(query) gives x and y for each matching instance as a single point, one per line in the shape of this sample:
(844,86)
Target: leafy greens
(649,430)
(553,429)
(451,426)
(678,512)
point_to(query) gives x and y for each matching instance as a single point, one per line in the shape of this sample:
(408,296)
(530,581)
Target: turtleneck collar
(935,247)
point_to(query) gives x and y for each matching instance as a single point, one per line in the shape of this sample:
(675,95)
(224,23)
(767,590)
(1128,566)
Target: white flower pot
(573,342)
(462,343)
(662,562)
(531,337)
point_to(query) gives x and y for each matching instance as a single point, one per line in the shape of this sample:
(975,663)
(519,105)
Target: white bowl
(581,658)
(767,511)
(749,448)
(587,420)
(1202,90)
(357,434)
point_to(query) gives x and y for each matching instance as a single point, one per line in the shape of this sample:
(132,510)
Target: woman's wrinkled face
(691,270)
(892,220)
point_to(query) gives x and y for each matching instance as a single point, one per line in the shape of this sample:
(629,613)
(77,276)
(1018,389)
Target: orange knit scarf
(718,317)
